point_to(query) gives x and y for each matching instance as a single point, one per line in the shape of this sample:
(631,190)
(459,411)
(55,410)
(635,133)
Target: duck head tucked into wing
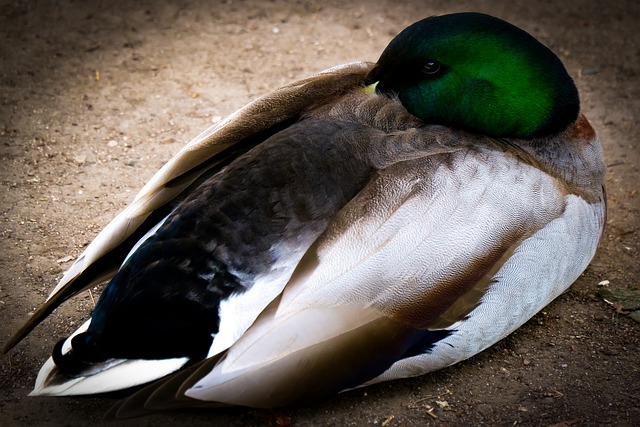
(372,222)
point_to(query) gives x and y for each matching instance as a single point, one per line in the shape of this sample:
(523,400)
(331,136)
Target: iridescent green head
(478,73)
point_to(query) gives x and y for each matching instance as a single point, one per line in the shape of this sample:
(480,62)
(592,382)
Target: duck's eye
(430,67)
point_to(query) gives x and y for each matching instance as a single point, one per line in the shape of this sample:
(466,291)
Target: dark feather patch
(164,302)
(425,341)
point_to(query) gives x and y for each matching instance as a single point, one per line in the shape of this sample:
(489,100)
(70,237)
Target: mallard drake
(372,222)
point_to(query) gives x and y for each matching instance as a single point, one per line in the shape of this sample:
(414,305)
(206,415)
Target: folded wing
(421,270)
(199,159)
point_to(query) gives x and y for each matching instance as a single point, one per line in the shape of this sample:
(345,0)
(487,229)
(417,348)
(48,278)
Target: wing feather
(370,288)
(211,148)
(401,260)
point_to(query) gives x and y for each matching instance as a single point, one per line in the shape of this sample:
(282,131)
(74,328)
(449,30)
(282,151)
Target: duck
(372,222)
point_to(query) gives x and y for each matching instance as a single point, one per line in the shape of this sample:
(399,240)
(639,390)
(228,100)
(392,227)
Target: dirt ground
(96,96)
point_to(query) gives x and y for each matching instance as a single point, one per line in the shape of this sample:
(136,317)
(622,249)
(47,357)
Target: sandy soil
(96,96)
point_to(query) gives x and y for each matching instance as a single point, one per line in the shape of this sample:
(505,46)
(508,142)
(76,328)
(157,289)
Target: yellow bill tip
(371,89)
